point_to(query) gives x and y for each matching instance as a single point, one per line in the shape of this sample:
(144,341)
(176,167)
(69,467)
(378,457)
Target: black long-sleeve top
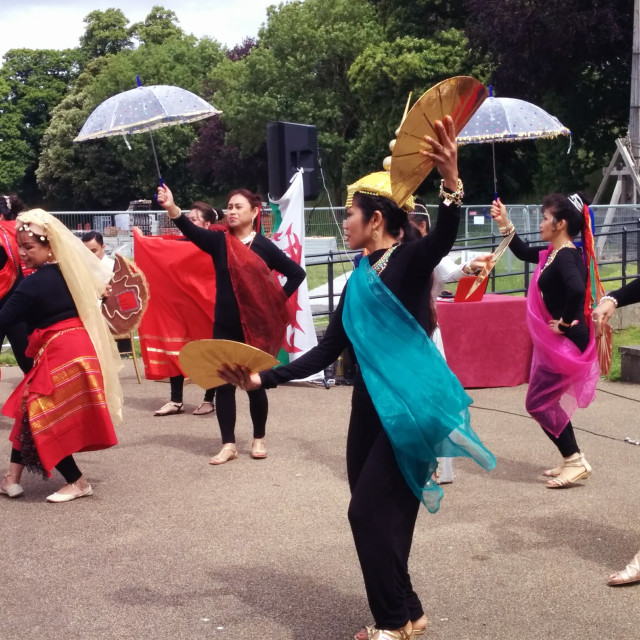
(227,315)
(563,285)
(40,300)
(629,294)
(407,275)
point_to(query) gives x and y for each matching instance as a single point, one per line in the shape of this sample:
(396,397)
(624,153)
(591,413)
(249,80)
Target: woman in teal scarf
(407,408)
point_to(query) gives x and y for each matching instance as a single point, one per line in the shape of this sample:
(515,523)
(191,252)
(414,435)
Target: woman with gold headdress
(408,408)
(68,401)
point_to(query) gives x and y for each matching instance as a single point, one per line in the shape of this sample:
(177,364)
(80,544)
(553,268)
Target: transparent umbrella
(509,120)
(145,109)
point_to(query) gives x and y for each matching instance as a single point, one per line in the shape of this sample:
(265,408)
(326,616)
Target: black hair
(93,235)
(395,219)
(419,218)
(209,214)
(561,208)
(10,206)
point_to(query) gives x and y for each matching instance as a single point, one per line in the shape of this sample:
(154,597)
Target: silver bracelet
(611,298)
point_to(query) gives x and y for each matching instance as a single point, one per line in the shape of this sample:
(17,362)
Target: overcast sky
(58,24)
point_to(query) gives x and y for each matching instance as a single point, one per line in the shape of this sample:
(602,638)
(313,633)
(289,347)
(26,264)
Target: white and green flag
(289,236)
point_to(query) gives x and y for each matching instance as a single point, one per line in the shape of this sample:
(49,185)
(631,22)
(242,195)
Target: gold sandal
(629,575)
(227,453)
(258,450)
(366,633)
(569,474)
(405,633)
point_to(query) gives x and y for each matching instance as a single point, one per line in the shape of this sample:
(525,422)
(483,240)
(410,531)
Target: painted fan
(458,97)
(201,360)
(126,305)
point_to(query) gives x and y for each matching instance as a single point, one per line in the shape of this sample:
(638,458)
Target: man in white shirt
(94,241)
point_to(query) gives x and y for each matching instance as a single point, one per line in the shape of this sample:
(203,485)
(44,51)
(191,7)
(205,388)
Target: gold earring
(374,235)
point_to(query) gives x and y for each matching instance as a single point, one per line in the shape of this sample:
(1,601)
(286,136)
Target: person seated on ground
(203,216)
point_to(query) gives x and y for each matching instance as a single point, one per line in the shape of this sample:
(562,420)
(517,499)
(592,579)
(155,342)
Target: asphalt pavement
(171,548)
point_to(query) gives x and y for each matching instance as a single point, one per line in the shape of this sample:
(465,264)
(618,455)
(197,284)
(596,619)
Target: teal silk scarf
(422,406)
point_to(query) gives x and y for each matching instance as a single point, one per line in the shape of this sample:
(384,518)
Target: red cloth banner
(182,291)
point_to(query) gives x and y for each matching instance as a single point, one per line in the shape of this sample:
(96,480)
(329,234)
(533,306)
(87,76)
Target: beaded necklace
(380,265)
(554,253)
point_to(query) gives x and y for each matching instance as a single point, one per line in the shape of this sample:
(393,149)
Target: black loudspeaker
(290,147)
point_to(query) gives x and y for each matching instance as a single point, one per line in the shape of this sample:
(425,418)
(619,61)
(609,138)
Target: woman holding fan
(564,367)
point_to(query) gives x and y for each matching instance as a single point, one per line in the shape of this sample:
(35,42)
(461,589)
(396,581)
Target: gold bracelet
(455,197)
(505,231)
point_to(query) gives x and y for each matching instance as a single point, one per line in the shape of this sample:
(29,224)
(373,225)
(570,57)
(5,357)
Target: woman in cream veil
(72,397)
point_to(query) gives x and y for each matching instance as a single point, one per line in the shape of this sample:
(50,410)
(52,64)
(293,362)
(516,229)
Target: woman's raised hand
(499,213)
(444,151)
(240,376)
(165,200)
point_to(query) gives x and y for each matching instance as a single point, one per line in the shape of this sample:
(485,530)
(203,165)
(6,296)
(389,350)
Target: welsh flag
(289,237)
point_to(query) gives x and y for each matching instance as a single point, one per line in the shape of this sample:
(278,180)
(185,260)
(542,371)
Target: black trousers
(566,441)
(177,384)
(226,397)
(67,466)
(226,412)
(382,514)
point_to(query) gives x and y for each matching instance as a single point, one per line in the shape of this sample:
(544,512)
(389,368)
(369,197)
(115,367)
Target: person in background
(10,276)
(94,241)
(203,216)
(447,270)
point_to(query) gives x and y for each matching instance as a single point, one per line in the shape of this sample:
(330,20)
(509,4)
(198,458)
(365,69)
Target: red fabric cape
(63,395)
(264,312)
(8,240)
(181,282)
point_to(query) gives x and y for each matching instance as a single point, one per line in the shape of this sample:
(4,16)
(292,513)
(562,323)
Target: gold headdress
(379,183)
(86,276)
(376,184)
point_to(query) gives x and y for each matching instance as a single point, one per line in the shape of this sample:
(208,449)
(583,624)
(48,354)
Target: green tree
(420,18)
(104,173)
(106,32)
(32,83)
(158,26)
(298,73)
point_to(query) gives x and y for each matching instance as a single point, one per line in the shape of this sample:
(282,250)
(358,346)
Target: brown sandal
(629,575)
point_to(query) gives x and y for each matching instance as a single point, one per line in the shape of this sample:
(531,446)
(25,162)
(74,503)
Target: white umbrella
(144,109)
(510,120)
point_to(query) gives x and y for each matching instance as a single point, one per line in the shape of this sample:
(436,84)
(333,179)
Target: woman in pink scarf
(564,367)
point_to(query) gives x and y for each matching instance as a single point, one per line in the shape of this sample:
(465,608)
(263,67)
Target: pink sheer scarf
(562,378)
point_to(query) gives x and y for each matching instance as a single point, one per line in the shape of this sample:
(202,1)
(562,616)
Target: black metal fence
(618,248)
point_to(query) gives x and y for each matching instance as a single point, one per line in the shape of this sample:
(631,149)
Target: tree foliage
(32,83)
(282,80)
(159,26)
(106,32)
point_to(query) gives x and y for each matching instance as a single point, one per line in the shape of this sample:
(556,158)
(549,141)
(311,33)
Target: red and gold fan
(604,344)
(459,97)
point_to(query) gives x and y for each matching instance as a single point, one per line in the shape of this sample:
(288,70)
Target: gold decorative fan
(457,97)
(486,270)
(201,360)
(604,344)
